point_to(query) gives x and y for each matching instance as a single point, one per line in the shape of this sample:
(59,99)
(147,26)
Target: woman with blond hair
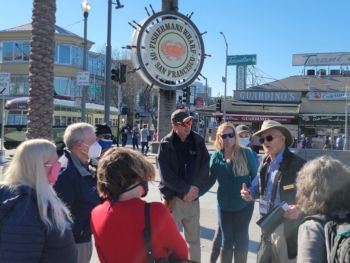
(232,166)
(323,188)
(118,223)
(34,223)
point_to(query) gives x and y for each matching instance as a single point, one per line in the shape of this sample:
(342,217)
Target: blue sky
(274,30)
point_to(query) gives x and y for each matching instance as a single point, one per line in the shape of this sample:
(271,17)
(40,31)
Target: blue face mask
(105,144)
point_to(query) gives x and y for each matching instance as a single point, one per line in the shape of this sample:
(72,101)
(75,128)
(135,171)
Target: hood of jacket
(10,196)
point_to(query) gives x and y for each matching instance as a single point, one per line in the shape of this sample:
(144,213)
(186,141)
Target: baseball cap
(242,128)
(180,116)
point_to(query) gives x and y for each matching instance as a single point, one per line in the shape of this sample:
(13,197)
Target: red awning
(258,118)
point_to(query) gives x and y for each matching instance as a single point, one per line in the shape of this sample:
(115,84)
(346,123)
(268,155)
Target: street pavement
(208,217)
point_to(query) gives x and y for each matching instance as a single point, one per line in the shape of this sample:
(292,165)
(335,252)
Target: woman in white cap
(232,165)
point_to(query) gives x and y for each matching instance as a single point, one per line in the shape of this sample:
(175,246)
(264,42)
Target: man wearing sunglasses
(183,163)
(276,183)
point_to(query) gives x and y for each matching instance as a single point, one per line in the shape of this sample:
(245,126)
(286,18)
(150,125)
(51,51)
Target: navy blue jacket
(79,193)
(24,237)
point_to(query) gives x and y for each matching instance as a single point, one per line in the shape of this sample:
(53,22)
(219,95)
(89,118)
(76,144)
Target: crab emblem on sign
(176,51)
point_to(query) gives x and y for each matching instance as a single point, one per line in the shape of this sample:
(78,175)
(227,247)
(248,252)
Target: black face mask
(144,185)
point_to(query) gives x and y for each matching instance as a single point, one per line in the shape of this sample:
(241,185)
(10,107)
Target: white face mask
(94,150)
(244,141)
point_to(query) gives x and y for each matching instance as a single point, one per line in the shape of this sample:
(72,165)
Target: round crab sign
(169,51)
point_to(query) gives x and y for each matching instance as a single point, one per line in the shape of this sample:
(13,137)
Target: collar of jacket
(168,139)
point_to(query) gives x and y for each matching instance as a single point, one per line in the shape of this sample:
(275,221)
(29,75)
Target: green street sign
(241,60)
(95,89)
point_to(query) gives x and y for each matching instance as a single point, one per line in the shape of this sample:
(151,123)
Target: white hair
(77,132)
(27,168)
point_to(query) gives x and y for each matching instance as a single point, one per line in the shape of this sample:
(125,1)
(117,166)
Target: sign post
(4,90)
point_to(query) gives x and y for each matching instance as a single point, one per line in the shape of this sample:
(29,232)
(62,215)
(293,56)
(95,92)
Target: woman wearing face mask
(34,223)
(243,133)
(119,222)
(232,165)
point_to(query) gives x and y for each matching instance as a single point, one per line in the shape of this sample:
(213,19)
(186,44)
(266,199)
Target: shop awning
(258,118)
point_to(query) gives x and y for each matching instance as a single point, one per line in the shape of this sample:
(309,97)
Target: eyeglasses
(53,164)
(268,138)
(184,124)
(224,136)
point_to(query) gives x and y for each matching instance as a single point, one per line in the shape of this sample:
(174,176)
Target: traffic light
(181,107)
(124,111)
(122,73)
(184,95)
(188,95)
(218,118)
(218,105)
(180,99)
(115,74)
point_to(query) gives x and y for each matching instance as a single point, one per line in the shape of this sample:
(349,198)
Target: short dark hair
(119,168)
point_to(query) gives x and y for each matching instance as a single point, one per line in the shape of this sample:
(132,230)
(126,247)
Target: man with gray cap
(276,183)
(183,163)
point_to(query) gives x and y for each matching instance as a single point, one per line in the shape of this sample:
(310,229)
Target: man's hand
(293,212)
(192,193)
(245,193)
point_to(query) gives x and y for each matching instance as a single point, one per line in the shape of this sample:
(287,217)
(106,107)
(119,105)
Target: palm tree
(41,70)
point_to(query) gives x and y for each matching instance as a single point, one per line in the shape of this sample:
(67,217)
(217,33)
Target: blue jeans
(234,227)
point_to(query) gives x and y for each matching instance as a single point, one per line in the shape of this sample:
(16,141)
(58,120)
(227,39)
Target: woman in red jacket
(118,223)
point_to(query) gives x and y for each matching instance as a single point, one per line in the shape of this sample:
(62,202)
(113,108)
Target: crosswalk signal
(218,105)
(115,74)
(181,107)
(218,118)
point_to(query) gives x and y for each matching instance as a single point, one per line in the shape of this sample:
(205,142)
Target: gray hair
(323,186)
(77,132)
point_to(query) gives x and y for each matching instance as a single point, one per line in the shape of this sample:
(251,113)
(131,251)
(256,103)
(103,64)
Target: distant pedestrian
(303,141)
(144,140)
(124,132)
(327,143)
(135,136)
(35,223)
(183,162)
(339,143)
(155,135)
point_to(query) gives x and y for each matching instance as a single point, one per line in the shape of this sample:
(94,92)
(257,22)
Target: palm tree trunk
(41,70)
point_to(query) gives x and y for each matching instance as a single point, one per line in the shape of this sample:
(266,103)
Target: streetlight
(85,7)
(225,76)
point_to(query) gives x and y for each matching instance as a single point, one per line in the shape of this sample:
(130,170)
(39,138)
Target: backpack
(337,237)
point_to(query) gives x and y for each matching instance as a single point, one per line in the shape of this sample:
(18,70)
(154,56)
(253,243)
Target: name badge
(287,187)
(263,205)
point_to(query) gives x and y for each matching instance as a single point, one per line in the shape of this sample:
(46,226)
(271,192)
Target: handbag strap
(147,234)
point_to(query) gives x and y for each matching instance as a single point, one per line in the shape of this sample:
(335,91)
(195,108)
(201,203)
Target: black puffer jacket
(23,235)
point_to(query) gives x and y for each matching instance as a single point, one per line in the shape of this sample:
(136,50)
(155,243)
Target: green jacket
(228,195)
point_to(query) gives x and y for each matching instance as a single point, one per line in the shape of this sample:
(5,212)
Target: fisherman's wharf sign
(172,50)
(167,50)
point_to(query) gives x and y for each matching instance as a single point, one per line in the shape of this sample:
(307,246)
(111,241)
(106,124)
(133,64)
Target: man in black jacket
(276,183)
(184,169)
(76,184)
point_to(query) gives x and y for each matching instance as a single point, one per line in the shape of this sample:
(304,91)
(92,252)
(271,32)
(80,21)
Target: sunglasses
(268,138)
(224,136)
(184,124)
